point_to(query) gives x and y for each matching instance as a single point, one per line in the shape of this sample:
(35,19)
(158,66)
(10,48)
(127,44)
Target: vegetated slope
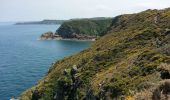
(132,61)
(88,27)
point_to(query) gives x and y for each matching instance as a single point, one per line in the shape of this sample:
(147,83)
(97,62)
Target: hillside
(84,27)
(48,22)
(80,29)
(131,61)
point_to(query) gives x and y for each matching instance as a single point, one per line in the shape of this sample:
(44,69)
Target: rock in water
(47,35)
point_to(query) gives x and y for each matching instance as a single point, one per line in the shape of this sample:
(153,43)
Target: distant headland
(46,22)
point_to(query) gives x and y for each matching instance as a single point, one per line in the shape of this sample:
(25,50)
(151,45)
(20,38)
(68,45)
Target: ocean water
(24,59)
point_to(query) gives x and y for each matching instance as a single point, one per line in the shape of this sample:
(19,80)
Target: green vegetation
(132,57)
(91,27)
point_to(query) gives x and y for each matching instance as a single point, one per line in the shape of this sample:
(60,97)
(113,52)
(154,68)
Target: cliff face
(132,61)
(84,27)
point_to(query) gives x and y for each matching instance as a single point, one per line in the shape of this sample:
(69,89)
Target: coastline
(52,36)
(67,39)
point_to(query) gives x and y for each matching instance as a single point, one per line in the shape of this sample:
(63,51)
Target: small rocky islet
(130,61)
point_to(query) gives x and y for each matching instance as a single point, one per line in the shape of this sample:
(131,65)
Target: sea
(24,59)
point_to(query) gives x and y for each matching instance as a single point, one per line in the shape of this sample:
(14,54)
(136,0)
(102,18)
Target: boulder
(36,95)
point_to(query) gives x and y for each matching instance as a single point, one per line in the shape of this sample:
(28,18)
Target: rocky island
(131,61)
(80,29)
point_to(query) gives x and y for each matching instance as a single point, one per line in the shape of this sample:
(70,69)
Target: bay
(24,59)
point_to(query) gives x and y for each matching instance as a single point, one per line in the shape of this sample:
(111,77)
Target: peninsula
(80,29)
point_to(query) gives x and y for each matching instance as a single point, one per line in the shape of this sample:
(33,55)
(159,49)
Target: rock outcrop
(49,35)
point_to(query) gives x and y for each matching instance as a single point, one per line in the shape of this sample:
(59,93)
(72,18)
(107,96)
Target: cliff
(131,61)
(84,27)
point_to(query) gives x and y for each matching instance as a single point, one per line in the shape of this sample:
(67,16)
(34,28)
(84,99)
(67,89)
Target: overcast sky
(32,10)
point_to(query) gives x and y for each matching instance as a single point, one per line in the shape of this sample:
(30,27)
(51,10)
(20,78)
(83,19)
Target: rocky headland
(80,29)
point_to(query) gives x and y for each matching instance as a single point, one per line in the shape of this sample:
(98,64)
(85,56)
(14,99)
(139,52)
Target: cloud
(20,10)
(102,7)
(154,4)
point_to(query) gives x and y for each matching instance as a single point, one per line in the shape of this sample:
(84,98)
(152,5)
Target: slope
(134,56)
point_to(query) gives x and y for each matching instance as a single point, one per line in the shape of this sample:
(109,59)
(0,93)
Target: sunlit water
(24,59)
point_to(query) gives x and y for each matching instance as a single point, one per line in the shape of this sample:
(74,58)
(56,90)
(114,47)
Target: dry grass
(164,66)
(160,91)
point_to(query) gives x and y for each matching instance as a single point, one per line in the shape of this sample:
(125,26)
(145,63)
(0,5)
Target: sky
(35,10)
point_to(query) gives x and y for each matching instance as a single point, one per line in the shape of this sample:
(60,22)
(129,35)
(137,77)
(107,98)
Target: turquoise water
(24,59)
